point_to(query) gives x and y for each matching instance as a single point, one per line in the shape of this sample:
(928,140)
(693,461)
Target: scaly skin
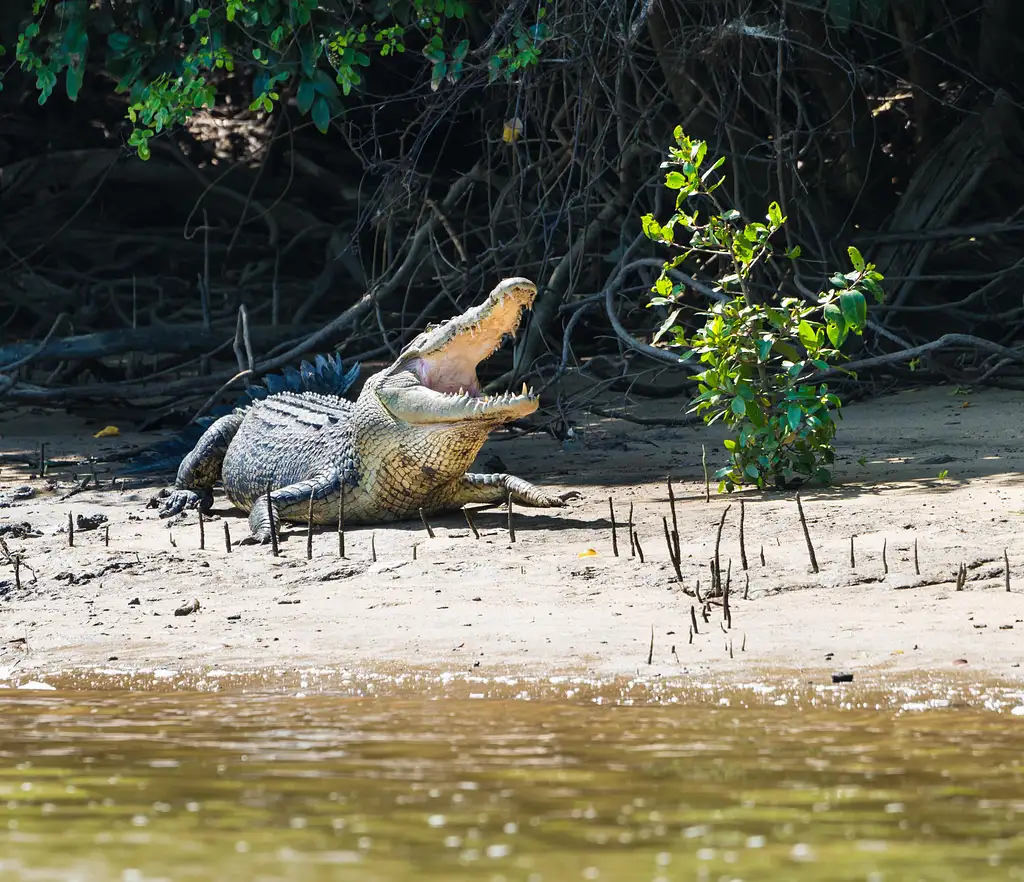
(404,445)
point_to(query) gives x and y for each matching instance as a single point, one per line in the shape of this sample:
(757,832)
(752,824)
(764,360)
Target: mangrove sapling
(759,353)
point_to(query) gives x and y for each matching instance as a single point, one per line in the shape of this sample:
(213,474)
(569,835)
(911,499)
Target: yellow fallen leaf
(966,404)
(107,432)
(513,130)
(588,553)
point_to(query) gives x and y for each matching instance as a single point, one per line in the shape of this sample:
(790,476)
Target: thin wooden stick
(726,612)
(807,534)
(202,531)
(469,520)
(511,528)
(650,652)
(671,552)
(917,566)
(309,528)
(341,524)
(675,522)
(426,526)
(273,526)
(717,587)
(106,535)
(1006,560)
(615,538)
(693,619)
(639,547)
(885,560)
(227,538)
(71,531)
(632,539)
(743,541)
(373,548)
(853,558)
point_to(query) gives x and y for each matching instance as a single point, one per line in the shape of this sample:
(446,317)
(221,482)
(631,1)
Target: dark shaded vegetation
(248,239)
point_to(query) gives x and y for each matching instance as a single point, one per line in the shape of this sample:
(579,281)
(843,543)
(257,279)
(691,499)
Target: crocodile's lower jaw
(419,405)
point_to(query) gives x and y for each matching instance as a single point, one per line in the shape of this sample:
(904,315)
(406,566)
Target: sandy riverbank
(536,605)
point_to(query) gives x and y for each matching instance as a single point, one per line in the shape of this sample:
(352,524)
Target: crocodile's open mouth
(444,361)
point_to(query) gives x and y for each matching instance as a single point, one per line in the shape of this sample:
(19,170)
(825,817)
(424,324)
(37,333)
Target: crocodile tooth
(524,392)
(531,392)
(462,390)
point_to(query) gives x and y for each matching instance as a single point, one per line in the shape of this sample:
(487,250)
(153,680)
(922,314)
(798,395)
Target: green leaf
(73,80)
(324,85)
(855,309)
(775,214)
(718,163)
(837,332)
(321,114)
(437,72)
(118,42)
(304,97)
(675,181)
(651,228)
(874,289)
(663,286)
(793,416)
(856,259)
(807,335)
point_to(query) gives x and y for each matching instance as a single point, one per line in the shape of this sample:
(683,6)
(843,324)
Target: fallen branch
(944,342)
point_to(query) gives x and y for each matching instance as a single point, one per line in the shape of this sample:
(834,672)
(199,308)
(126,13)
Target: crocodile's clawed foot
(176,501)
(546,500)
(558,500)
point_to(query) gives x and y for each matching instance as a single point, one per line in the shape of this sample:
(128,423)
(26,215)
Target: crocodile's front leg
(291,504)
(495,488)
(201,469)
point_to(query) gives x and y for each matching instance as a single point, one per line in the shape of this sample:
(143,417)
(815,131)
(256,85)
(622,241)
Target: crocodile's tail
(327,376)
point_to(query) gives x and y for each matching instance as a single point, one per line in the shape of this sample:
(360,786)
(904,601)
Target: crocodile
(403,446)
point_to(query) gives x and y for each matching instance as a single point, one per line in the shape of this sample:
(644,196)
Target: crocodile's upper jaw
(434,379)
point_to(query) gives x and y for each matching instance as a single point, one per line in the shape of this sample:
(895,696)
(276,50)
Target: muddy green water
(508,780)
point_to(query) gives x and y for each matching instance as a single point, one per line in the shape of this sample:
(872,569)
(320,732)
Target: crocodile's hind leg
(291,503)
(495,489)
(200,470)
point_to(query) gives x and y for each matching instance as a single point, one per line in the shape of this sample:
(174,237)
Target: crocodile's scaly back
(285,439)
(326,375)
(404,445)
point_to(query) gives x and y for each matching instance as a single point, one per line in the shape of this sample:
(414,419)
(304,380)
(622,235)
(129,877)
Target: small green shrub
(759,355)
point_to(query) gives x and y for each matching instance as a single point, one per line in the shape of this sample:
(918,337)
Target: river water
(109,778)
